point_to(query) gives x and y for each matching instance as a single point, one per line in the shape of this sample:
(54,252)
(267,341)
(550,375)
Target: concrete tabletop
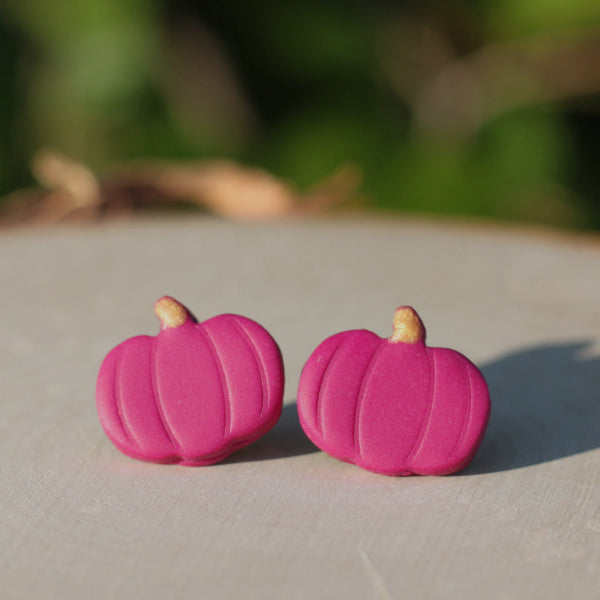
(280,519)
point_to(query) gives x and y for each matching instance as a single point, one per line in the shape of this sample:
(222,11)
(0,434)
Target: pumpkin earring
(393,406)
(195,392)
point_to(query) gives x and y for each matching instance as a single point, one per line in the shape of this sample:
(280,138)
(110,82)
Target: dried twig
(73,192)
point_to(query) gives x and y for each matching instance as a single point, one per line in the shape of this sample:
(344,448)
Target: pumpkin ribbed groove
(466,418)
(360,397)
(157,399)
(225,395)
(117,392)
(431,395)
(262,371)
(322,383)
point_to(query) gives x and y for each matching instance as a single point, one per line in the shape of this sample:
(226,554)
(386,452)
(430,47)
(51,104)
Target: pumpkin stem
(408,327)
(170,312)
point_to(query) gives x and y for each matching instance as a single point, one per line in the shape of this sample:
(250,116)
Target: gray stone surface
(280,519)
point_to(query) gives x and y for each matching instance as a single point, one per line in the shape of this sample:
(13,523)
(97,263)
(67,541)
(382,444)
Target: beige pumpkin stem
(408,327)
(170,312)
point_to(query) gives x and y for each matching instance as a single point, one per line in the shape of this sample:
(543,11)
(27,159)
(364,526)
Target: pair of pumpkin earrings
(197,392)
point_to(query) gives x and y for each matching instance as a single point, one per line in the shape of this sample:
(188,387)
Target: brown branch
(73,192)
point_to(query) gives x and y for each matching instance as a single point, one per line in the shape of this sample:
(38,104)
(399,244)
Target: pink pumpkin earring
(393,406)
(195,392)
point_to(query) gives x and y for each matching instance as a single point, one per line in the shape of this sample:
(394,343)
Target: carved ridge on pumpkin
(225,387)
(432,397)
(117,395)
(258,360)
(318,403)
(367,374)
(162,417)
(466,417)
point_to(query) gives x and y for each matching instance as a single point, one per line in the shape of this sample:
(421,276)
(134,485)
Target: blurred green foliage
(476,107)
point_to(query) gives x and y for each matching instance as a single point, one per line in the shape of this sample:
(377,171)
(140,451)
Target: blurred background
(485,108)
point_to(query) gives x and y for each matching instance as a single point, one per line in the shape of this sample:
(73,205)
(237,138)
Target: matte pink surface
(194,393)
(393,408)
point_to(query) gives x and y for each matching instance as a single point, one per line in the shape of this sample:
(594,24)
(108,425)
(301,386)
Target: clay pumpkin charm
(393,406)
(195,392)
